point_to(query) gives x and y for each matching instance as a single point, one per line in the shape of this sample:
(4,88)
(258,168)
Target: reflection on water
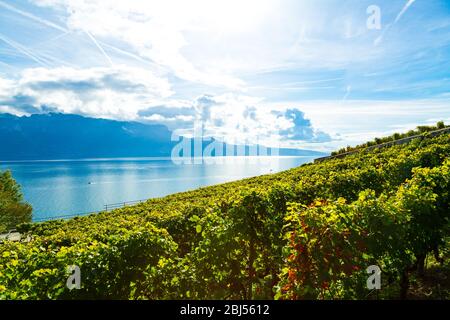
(57,188)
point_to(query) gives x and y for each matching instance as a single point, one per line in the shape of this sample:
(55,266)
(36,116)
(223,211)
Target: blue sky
(303,73)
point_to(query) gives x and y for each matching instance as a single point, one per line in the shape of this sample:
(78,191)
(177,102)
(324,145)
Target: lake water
(68,187)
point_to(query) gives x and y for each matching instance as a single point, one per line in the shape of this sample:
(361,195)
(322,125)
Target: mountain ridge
(55,136)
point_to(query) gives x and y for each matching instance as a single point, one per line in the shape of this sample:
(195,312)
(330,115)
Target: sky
(306,74)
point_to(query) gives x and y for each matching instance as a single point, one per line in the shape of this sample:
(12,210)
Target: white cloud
(6,86)
(238,119)
(135,94)
(118,92)
(216,42)
(156,29)
(357,121)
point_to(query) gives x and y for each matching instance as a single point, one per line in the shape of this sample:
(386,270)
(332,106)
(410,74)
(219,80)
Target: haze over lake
(69,187)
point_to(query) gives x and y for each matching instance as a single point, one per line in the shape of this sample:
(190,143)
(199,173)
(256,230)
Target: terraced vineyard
(306,233)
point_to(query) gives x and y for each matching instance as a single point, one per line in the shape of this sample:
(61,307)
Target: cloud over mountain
(301,128)
(118,92)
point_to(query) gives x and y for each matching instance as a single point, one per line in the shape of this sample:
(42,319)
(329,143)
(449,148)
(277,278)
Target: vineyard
(306,233)
(420,132)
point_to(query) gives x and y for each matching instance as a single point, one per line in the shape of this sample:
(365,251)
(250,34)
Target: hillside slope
(309,232)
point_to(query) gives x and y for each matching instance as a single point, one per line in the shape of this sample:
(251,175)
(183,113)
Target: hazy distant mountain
(63,136)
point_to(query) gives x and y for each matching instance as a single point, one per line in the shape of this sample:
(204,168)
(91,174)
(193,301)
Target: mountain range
(66,136)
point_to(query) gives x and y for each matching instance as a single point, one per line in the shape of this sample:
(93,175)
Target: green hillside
(420,130)
(306,233)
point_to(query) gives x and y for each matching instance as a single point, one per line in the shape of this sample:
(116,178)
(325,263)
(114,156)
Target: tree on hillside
(440,125)
(13,210)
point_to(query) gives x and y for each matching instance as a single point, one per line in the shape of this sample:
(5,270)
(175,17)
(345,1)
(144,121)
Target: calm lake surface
(66,187)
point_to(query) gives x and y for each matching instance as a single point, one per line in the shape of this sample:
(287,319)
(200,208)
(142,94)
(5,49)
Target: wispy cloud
(404,9)
(66,31)
(32,17)
(53,39)
(23,50)
(100,48)
(397,18)
(347,93)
